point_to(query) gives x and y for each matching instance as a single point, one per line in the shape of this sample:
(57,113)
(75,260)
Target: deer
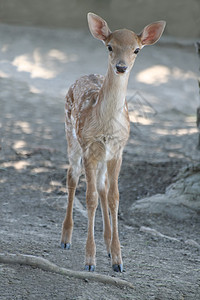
(97,129)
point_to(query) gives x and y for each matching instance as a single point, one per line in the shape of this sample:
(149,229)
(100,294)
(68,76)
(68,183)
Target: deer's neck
(112,94)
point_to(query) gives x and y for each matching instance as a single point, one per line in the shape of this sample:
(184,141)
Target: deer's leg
(113,167)
(102,191)
(90,166)
(72,181)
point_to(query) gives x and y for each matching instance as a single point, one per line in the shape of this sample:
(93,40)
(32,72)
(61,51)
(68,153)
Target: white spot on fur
(74,133)
(101,175)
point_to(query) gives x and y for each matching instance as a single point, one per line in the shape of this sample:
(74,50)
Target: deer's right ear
(98,27)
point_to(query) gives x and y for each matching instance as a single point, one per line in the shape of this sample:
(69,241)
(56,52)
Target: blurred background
(182,16)
(46,45)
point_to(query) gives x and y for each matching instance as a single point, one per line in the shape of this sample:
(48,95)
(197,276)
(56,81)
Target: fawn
(97,129)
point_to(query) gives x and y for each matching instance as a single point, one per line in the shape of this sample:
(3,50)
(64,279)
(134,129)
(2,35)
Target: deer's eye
(137,50)
(109,48)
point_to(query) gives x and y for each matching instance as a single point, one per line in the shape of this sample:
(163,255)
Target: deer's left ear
(151,33)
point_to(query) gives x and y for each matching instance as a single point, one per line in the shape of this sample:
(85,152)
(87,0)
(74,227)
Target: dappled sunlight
(57,54)
(42,65)
(163,136)
(3,74)
(160,74)
(4,48)
(64,166)
(39,170)
(139,119)
(2,180)
(182,75)
(19,145)
(17,165)
(34,89)
(24,64)
(61,56)
(55,183)
(140,109)
(24,126)
(154,75)
(175,132)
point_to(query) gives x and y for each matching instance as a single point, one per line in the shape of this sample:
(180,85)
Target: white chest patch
(112,147)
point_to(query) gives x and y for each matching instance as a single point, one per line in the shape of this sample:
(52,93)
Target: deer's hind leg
(113,202)
(73,174)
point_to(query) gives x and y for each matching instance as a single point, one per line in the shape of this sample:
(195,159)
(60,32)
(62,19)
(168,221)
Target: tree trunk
(198,108)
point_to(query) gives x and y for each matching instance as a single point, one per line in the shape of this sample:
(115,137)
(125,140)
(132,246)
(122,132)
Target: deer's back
(81,98)
(83,93)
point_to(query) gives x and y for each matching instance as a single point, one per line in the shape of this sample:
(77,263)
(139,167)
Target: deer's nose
(121,67)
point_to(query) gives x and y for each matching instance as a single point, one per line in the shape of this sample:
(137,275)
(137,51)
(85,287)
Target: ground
(36,67)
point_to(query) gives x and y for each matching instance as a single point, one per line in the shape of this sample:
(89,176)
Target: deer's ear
(98,27)
(151,33)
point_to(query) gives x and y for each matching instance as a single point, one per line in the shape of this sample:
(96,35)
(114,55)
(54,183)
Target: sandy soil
(36,67)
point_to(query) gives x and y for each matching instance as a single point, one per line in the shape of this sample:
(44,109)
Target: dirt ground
(33,164)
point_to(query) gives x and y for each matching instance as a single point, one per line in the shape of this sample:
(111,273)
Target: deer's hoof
(65,246)
(89,268)
(118,268)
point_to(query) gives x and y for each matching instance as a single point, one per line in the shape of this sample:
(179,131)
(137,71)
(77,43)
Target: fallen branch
(46,265)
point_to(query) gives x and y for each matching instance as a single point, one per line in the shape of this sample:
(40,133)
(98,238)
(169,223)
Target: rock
(181,200)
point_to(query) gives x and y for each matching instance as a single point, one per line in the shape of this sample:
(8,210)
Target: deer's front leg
(113,202)
(102,186)
(91,202)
